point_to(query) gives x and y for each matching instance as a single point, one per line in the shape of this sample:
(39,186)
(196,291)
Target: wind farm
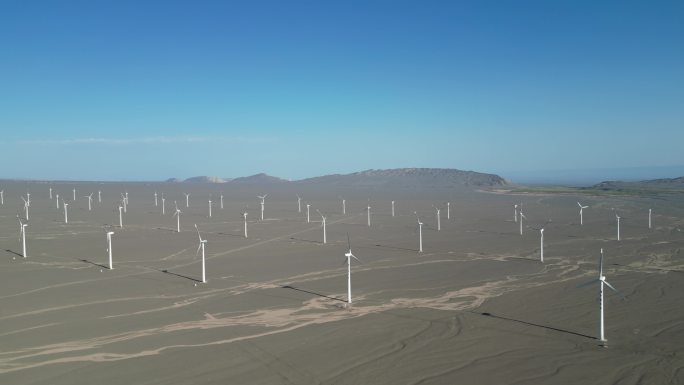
(476,279)
(339,179)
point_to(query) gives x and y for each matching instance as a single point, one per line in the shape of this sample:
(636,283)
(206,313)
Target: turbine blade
(198,249)
(349,242)
(353,256)
(614,289)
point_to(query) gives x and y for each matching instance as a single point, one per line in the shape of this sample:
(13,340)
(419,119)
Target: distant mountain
(412,177)
(173,180)
(259,179)
(655,184)
(206,179)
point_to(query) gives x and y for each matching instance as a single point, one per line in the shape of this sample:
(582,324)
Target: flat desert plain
(477,306)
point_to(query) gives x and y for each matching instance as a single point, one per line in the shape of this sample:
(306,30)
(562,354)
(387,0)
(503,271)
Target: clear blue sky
(155,89)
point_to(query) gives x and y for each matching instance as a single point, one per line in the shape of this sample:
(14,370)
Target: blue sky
(145,90)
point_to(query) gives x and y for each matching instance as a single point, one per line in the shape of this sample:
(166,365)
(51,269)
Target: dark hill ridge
(664,183)
(412,177)
(399,177)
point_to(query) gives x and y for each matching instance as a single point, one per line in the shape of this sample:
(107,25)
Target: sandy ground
(477,306)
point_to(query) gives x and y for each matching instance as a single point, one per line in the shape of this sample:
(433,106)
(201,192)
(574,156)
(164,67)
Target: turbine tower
(22,230)
(66,215)
(368,211)
(649,218)
(299,203)
(187,200)
(541,241)
(177,215)
(90,201)
(263,198)
(420,233)
(581,208)
(349,256)
(601,281)
(308,218)
(155,199)
(109,248)
(393,209)
(202,242)
(325,238)
(244,214)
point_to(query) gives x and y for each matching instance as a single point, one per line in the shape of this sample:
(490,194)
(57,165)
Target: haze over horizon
(154,90)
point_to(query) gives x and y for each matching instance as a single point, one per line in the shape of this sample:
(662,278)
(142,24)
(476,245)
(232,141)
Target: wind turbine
(155,199)
(50,189)
(109,248)
(601,281)
(221,201)
(209,208)
(392,208)
(541,234)
(127,198)
(368,211)
(325,239)
(125,204)
(263,197)
(448,210)
(66,214)
(515,213)
(121,215)
(2,197)
(649,218)
(90,201)
(420,233)
(26,208)
(201,246)
(581,208)
(28,198)
(187,200)
(99,196)
(344,207)
(177,215)
(163,205)
(439,219)
(22,229)
(522,216)
(299,203)
(57,200)
(74,195)
(617,217)
(308,218)
(244,215)
(349,256)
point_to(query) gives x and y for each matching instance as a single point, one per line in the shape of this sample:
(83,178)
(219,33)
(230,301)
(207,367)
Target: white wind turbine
(187,200)
(244,215)
(90,201)
(325,238)
(22,229)
(99,196)
(649,218)
(299,203)
(177,215)
(221,201)
(344,207)
(66,213)
(155,199)
(26,208)
(601,281)
(201,246)
(163,204)
(448,210)
(349,256)
(126,197)
(368,211)
(522,216)
(50,192)
(28,198)
(439,218)
(392,208)
(515,213)
(420,233)
(2,197)
(74,190)
(57,200)
(121,215)
(541,241)
(581,208)
(125,203)
(209,208)
(109,248)
(308,217)
(617,217)
(263,198)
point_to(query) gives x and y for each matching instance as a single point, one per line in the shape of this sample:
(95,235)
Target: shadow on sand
(13,252)
(533,324)
(311,292)
(180,275)
(93,263)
